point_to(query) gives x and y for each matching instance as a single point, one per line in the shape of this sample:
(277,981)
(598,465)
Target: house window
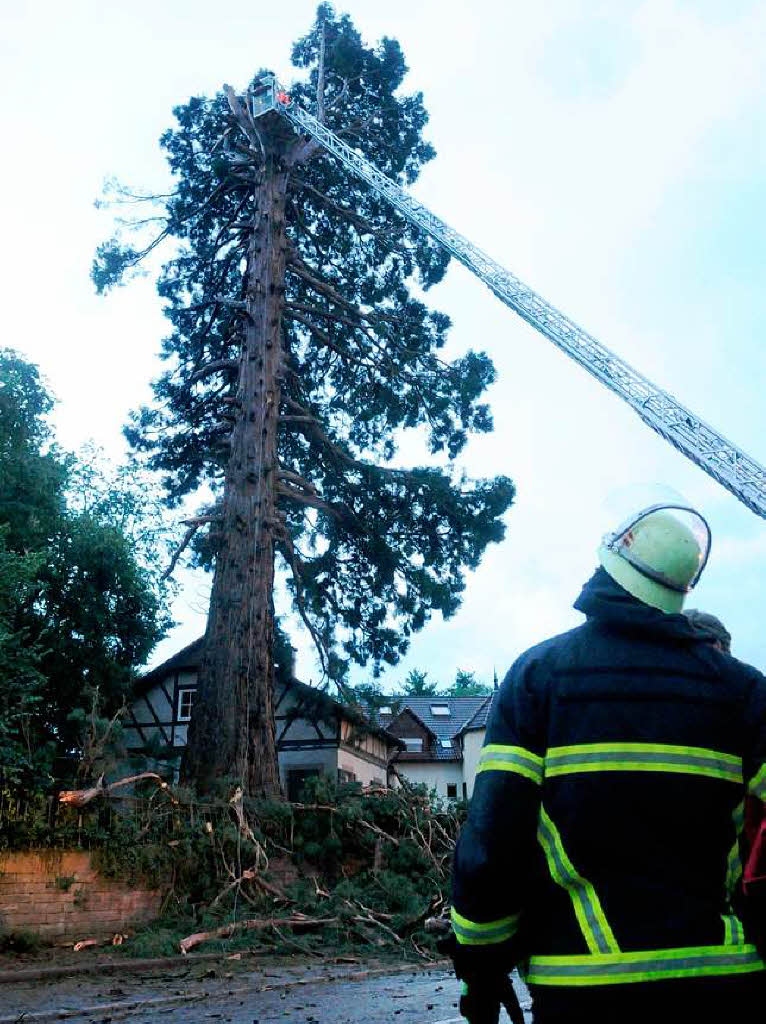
(385,710)
(413,743)
(185,702)
(465,790)
(345,776)
(440,710)
(452,791)
(446,744)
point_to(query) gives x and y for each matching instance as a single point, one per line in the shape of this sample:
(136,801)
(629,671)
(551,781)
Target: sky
(611,154)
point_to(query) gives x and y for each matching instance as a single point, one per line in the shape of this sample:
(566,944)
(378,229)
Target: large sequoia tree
(299,352)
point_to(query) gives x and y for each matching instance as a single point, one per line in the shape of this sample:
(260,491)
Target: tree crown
(374,549)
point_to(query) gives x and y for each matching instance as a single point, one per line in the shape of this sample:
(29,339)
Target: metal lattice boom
(725,462)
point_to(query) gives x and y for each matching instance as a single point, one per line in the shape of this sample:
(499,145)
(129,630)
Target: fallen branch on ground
(257,924)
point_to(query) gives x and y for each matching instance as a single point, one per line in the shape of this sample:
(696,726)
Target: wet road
(416,999)
(297,994)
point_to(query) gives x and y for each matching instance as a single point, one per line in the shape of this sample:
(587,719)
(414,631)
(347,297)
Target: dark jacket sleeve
(496,849)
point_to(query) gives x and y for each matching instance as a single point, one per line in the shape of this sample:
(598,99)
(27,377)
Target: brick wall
(58,895)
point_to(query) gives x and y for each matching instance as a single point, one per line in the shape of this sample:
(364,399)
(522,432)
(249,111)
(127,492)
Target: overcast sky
(611,154)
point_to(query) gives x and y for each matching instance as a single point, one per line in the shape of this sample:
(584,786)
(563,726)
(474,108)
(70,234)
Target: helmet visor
(669,544)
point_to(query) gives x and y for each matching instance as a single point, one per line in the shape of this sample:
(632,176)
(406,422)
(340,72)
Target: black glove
(486,985)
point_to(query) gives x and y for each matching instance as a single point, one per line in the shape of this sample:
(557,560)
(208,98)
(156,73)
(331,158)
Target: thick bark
(231,735)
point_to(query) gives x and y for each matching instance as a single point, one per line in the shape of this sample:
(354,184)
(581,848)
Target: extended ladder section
(725,462)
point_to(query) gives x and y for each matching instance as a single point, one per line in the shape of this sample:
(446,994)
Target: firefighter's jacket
(603,837)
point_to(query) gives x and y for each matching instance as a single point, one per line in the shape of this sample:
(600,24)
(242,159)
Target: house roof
(443,727)
(479,719)
(189,658)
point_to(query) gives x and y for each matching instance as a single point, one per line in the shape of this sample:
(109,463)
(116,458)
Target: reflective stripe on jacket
(603,837)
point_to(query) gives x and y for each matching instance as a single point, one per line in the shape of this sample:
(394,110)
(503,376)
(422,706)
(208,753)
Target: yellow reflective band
(734,860)
(472,933)
(757,785)
(733,931)
(496,757)
(642,757)
(587,906)
(646,965)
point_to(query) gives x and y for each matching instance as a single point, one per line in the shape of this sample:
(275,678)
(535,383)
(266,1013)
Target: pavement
(235,992)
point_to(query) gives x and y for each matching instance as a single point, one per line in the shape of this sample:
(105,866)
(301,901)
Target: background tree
(298,354)
(79,610)
(21,682)
(467,685)
(416,685)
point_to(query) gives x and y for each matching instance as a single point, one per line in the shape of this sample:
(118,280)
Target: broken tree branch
(243,119)
(257,923)
(180,550)
(81,797)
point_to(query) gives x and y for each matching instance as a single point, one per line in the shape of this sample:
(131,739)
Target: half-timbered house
(315,734)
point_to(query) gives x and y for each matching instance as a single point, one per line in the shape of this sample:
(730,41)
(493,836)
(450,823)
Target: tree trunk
(231,734)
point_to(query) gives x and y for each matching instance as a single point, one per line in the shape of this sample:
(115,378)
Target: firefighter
(601,852)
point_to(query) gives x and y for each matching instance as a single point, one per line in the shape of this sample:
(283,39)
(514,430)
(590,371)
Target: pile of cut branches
(346,868)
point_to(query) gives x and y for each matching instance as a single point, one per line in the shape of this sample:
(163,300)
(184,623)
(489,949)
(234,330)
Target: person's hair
(710,626)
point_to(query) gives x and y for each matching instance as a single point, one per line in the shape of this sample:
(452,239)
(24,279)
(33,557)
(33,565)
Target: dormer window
(440,710)
(385,710)
(413,743)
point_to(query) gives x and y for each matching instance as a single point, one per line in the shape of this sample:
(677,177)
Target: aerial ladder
(697,440)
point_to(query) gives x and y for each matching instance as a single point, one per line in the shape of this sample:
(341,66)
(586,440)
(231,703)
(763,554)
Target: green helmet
(658,554)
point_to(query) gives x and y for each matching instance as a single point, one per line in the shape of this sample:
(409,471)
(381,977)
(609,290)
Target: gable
(407,725)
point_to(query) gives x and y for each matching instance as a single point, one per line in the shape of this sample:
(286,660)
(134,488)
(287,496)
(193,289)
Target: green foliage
(80,608)
(364,354)
(114,264)
(467,685)
(415,684)
(21,681)
(157,939)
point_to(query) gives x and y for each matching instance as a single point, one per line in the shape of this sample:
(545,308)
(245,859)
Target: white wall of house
(363,770)
(473,741)
(323,759)
(153,708)
(433,774)
(368,743)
